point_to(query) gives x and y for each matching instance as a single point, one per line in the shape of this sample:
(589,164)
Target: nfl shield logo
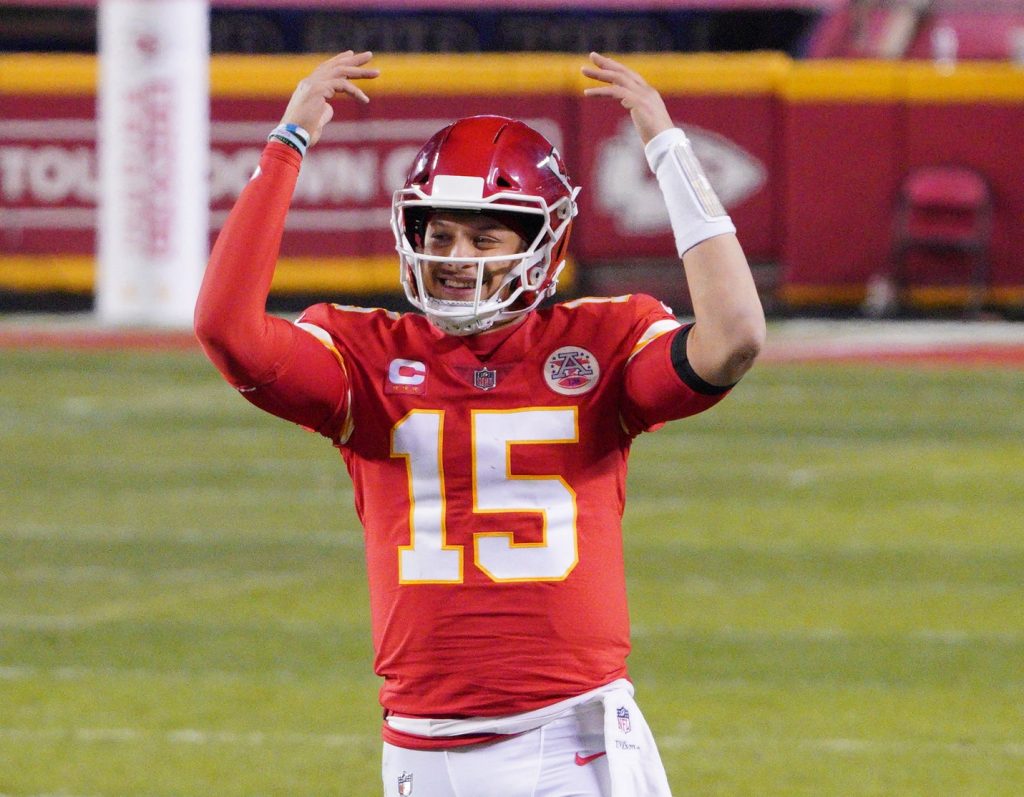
(622,714)
(405,784)
(485,378)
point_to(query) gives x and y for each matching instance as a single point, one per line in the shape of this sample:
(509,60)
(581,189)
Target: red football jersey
(489,476)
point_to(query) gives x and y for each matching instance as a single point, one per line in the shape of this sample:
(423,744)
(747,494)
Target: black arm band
(686,372)
(285,141)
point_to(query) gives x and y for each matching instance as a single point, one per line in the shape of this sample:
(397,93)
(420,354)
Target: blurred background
(824,571)
(868,150)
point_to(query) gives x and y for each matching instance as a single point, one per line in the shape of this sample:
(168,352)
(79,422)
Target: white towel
(633,759)
(507,725)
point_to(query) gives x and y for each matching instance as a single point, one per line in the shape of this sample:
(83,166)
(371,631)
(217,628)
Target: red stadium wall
(852,131)
(977,120)
(807,155)
(841,149)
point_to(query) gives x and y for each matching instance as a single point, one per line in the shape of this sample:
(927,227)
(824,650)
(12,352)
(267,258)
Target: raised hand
(643,102)
(309,107)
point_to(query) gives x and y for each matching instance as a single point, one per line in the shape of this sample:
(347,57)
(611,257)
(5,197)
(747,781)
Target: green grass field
(826,578)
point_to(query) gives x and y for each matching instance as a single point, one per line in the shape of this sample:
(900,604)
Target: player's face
(468,235)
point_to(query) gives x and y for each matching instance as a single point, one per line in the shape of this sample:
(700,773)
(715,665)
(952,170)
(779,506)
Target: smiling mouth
(456,288)
(457,283)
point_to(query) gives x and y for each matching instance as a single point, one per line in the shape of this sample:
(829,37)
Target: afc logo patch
(571,370)
(405,784)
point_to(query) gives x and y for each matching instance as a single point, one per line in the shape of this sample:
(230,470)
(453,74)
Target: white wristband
(693,207)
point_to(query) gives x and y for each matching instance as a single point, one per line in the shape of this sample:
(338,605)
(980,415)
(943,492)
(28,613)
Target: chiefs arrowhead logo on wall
(629,193)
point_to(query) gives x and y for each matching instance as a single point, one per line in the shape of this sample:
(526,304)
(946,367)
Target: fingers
(349,57)
(615,92)
(335,75)
(622,83)
(644,103)
(309,106)
(608,70)
(344,86)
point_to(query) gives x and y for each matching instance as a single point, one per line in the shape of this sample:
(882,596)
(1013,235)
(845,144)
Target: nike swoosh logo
(583,760)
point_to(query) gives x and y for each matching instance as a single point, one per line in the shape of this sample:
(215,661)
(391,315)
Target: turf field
(826,575)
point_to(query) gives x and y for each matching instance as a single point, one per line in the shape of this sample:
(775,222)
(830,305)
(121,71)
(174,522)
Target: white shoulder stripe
(658,328)
(322,335)
(319,333)
(655,330)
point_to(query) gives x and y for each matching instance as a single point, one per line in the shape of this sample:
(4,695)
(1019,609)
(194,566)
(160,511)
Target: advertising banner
(153,154)
(807,157)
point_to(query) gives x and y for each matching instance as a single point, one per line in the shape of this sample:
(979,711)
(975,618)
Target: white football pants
(561,759)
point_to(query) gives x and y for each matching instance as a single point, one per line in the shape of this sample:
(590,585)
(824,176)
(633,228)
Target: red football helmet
(501,167)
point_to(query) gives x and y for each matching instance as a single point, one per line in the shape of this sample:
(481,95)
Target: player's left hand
(644,103)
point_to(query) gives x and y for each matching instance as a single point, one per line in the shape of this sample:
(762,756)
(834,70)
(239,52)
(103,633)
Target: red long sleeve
(276,365)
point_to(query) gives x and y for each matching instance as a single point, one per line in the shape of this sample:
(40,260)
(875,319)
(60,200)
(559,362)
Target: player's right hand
(309,107)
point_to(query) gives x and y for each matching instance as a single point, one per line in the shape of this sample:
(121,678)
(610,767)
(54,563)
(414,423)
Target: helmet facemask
(531,279)
(496,167)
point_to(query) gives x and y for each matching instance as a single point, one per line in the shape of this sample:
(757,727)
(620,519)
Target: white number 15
(429,559)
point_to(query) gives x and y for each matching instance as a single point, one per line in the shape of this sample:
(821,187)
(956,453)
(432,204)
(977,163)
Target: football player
(487,435)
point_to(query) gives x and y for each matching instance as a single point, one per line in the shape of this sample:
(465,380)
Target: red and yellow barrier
(809,156)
